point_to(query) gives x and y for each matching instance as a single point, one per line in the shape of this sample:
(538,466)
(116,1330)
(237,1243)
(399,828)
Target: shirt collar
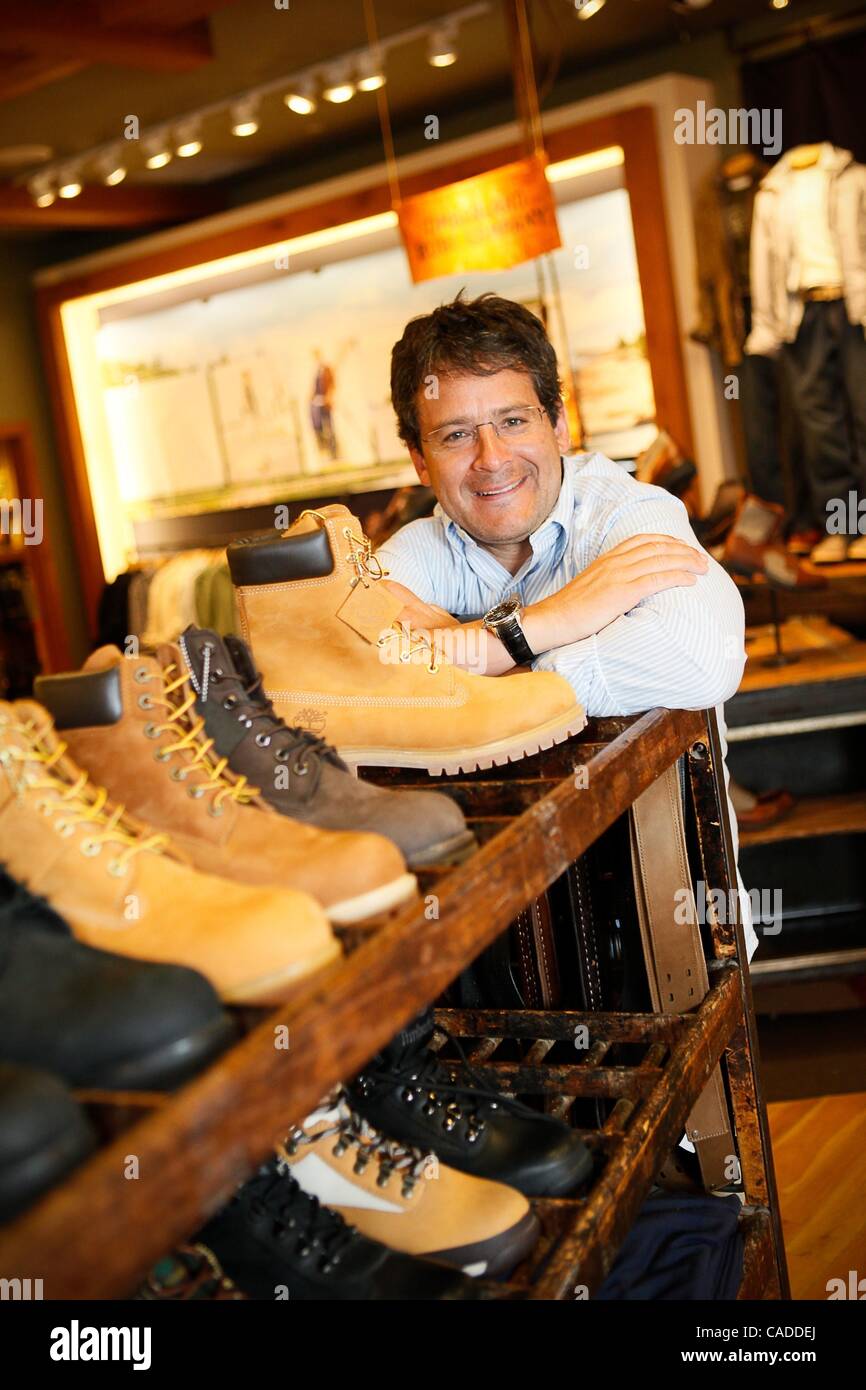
(550,536)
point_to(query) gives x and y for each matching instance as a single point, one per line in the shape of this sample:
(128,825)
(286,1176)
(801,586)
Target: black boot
(44,1134)
(91,1017)
(407,1092)
(276,1242)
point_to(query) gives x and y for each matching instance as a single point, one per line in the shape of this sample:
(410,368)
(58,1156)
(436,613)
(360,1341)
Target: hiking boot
(94,1018)
(299,774)
(131,722)
(276,1242)
(323,630)
(441,1105)
(44,1134)
(122,887)
(405,1198)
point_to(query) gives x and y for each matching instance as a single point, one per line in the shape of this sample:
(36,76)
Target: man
(613,590)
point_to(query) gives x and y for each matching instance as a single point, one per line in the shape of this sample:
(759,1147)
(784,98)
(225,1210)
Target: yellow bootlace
(192,739)
(75,797)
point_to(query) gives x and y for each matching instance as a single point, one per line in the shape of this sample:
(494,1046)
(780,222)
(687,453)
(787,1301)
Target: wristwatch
(504,622)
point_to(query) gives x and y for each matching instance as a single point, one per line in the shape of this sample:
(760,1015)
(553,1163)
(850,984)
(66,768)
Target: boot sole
(445,761)
(453,851)
(168,1066)
(496,1257)
(272,989)
(351,910)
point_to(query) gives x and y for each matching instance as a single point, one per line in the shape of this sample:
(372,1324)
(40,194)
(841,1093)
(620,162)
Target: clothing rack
(96,1235)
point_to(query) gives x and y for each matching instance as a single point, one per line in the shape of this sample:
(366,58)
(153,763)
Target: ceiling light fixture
(778,4)
(370,74)
(302,99)
(244,117)
(338,88)
(41,191)
(188,140)
(156,152)
(442,47)
(69,184)
(111,171)
(588,8)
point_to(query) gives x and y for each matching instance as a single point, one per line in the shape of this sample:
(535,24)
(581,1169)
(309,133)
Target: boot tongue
(103,658)
(410,1041)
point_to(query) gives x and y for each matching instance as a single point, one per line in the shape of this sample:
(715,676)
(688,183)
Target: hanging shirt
(814,243)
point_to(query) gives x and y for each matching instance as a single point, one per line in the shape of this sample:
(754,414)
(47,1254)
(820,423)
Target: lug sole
(446,761)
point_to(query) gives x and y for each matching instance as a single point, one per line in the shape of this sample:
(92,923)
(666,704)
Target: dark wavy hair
(477,336)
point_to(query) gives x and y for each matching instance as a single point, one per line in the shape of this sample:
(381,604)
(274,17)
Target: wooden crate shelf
(98,1233)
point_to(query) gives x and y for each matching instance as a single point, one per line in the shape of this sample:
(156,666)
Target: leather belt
(822,293)
(674,953)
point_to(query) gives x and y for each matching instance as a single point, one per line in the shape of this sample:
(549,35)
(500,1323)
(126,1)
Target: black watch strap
(513,639)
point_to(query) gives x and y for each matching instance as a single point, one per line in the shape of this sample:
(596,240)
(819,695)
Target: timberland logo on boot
(21,1290)
(77,1343)
(312,719)
(855,1287)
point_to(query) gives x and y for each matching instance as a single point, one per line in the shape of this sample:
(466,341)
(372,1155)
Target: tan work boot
(131,723)
(405,1198)
(122,887)
(324,634)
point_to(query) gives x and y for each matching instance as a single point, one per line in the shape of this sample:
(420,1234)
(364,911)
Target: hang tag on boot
(369,610)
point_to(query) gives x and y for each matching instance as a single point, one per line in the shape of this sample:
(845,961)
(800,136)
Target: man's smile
(501,490)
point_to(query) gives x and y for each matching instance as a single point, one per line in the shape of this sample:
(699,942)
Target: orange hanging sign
(490,222)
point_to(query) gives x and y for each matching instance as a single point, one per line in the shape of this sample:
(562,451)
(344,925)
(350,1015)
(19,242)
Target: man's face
(503,489)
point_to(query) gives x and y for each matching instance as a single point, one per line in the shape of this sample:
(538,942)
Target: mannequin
(808,278)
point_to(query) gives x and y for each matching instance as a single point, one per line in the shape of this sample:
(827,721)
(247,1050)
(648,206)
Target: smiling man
(562,561)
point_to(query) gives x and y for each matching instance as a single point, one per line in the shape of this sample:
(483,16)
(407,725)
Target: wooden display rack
(96,1235)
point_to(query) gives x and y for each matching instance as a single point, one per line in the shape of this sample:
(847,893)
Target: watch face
(503,610)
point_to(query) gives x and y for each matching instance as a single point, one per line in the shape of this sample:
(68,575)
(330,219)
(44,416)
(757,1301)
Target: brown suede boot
(124,888)
(323,632)
(131,722)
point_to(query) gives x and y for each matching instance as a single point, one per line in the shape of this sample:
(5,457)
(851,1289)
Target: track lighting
(588,8)
(111,170)
(302,99)
(69,183)
(370,74)
(156,152)
(338,88)
(442,47)
(42,191)
(244,117)
(188,141)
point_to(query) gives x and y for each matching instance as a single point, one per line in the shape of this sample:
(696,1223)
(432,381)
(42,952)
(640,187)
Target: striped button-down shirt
(682,648)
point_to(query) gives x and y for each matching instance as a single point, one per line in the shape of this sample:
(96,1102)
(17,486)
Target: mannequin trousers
(827,367)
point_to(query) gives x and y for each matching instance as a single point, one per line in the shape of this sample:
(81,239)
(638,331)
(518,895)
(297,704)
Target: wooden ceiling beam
(58,31)
(105,207)
(29,74)
(171,13)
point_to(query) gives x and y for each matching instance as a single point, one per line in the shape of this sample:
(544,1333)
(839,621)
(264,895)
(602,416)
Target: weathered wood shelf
(96,1235)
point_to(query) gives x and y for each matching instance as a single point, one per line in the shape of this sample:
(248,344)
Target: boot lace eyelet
(161,755)
(195,792)
(263,740)
(178,774)
(215,811)
(145,702)
(116,869)
(230,701)
(90,848)
(142,675)
(64,828)
(151,730)
(300,769)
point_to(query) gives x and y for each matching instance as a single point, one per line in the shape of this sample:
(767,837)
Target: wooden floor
(820,1154)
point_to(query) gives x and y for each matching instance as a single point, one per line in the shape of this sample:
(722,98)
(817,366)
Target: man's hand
(610,587)
(416,613)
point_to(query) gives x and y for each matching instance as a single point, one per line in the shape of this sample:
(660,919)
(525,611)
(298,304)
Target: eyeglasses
(520,422)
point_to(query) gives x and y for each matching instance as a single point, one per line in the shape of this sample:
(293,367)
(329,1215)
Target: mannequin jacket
(777,306)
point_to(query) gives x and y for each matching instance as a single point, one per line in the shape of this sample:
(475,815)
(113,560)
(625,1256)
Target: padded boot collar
(275,560)
(83,699)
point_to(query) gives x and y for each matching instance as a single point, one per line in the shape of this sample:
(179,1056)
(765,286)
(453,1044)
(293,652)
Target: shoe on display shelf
(44,1134)
(324,632)
(131,723)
